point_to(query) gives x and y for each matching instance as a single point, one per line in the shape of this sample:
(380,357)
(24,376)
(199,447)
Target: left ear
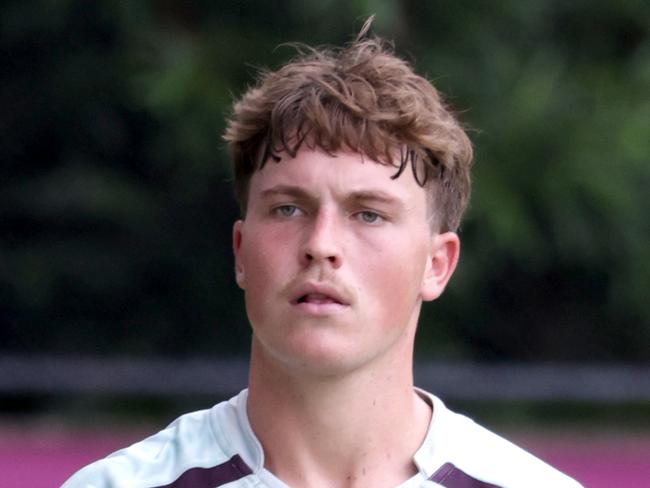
(445,249)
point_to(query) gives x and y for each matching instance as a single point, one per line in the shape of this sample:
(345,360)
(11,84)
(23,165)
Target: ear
(445,250)
(240,276)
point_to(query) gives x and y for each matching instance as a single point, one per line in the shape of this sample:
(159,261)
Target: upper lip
(324,289)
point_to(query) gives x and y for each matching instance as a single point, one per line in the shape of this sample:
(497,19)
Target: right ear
(240,275)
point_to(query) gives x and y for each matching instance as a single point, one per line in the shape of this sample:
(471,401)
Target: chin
(317,359)
(324,368)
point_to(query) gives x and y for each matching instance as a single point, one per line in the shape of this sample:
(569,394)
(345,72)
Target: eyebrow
(287,190)
(375,196)
(378,196)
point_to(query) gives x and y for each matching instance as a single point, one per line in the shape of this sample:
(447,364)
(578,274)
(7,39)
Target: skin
(335,259)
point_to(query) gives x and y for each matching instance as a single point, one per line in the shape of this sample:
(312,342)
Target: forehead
(337,174)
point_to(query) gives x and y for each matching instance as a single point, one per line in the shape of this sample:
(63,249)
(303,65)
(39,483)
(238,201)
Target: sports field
(44,456)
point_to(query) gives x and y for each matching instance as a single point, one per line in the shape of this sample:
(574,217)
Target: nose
(322,242)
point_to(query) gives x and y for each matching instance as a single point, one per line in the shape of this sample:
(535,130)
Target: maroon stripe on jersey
(450,476)
(232,470)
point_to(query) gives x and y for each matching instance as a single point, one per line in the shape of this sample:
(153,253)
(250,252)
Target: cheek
(394,278)
(396,281)
(266,264)
(260,272)
(259,253)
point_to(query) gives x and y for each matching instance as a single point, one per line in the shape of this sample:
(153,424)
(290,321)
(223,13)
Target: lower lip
(327,308)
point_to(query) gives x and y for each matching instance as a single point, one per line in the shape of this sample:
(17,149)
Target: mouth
(318,299)
(319,296)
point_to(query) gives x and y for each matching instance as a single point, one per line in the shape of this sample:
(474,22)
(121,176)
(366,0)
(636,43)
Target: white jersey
(217,448)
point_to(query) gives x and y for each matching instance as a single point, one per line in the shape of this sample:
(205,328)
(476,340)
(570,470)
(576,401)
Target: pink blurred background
(45,456)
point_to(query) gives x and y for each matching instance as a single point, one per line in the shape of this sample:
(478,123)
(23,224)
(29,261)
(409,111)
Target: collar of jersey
(239,437)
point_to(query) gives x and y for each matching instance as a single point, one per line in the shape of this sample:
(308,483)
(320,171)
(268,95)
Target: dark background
(115,199)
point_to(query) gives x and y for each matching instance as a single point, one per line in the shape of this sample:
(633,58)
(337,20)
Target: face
(335,259)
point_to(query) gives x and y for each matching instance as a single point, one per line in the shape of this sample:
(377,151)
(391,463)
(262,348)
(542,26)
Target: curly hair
(360,98)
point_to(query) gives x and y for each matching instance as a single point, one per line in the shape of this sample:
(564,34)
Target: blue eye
(286,210)
(369,217)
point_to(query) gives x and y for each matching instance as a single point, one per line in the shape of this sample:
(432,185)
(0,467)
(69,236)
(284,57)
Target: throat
(342,447)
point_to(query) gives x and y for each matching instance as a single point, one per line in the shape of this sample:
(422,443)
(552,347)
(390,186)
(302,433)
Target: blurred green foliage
(115,201)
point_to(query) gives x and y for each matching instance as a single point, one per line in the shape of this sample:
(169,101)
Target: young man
(352,178)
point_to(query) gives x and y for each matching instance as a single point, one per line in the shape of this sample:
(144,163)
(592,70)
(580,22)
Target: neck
(360,428)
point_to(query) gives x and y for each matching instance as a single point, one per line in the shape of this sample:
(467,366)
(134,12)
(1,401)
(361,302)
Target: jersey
(217,448)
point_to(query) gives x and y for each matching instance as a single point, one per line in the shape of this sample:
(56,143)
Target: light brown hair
(359,98)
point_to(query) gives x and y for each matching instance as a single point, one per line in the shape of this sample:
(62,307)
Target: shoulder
(190,449)
(466,449)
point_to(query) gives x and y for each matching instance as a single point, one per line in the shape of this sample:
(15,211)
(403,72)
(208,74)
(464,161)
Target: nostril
(329,256)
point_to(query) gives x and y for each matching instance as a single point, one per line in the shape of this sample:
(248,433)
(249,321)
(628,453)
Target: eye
(370,217)
(286,210)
